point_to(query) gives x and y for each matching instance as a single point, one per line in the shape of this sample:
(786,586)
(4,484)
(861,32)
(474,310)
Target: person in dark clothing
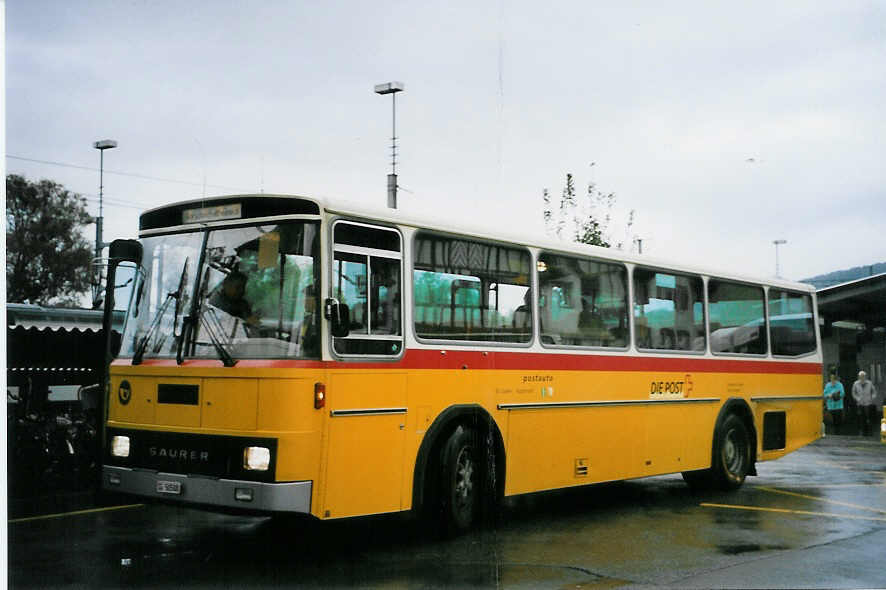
(231,298)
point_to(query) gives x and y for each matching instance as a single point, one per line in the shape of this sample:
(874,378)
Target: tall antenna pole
(392,88)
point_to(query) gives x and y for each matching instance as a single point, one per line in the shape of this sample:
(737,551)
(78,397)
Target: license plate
(169,487)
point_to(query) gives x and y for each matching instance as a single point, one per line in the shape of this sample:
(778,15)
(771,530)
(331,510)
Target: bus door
(366,398)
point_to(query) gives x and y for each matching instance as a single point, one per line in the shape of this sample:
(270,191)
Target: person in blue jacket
(833,396)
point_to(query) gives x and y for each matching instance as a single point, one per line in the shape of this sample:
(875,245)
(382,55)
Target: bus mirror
(339,318)
(125,251)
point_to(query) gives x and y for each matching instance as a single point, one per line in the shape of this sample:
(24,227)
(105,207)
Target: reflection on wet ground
(829,497)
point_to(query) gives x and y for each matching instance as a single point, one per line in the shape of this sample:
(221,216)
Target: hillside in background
(843,276)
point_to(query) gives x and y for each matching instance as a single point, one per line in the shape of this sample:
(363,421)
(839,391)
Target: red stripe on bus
(535,361)
(525,361)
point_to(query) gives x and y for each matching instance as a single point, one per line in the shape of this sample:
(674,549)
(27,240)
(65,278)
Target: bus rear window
(791,323)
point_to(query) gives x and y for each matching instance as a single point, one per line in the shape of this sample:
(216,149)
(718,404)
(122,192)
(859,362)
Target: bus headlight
(256,458)
(120,446)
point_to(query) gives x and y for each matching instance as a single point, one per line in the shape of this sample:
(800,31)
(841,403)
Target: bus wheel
(459,491)
(732,455)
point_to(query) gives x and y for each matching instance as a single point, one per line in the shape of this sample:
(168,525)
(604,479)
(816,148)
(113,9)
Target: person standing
(833,395)
(863,393)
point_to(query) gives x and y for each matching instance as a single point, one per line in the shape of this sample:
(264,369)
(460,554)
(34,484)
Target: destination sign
(213,213)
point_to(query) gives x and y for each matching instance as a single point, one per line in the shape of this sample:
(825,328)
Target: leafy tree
(47,257)
(587,222)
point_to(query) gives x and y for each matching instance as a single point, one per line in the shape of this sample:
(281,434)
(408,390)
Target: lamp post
(101,146)
(392,88)
(778,243)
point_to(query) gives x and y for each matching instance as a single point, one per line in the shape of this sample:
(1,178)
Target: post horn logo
(124,392)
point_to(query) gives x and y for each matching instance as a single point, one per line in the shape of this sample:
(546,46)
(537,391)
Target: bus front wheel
(460,492)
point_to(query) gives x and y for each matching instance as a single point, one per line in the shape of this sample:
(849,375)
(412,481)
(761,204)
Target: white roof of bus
(333,207)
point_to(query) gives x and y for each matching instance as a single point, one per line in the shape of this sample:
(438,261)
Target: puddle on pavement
(749,548)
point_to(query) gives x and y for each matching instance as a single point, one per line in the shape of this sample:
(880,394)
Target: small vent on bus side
(774,435)
(581,468)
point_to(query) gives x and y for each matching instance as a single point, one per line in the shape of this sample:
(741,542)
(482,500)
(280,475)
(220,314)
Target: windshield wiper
(178,296)
(213,331)
(197,319)
(143,343)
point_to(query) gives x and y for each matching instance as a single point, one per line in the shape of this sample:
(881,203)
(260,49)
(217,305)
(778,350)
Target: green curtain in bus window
(469,290)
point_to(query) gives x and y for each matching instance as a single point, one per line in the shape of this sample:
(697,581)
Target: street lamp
(101,146)
(777,244)
(392,88)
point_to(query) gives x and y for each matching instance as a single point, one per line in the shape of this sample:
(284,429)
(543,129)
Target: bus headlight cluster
(120,446)
(256,458)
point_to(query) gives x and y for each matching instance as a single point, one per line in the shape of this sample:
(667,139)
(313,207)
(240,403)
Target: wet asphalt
(813,519)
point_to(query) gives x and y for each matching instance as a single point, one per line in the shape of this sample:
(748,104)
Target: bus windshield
(231,293)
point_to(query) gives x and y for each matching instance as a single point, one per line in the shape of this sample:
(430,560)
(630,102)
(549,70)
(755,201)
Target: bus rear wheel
(731,460)
(460,489)
(732,455)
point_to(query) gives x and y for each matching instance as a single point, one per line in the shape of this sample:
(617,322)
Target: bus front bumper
(229,493)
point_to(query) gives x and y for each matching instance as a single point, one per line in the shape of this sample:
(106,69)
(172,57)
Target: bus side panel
(553,448)
(365,442)
(286,407)
(803,418)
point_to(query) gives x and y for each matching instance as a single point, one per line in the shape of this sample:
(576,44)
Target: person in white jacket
(864,394)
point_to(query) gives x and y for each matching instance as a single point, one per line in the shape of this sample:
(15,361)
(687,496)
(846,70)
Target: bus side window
(668,311)
(366,275)
(582,302)
(470,290)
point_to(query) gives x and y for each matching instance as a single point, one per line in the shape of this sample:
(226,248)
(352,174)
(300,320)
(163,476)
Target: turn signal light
(319,395)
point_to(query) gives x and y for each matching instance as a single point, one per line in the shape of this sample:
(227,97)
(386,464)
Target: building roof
(862,300)
(58,318)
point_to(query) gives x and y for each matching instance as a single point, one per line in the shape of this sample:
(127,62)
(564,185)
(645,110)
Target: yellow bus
(284,354)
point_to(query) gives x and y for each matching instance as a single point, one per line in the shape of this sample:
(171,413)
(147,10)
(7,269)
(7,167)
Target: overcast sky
(725,125)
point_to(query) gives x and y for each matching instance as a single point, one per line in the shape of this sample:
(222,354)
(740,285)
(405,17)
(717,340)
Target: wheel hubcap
(732,452)
(464,479)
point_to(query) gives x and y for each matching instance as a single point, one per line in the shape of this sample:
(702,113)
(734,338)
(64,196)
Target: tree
(587,222)
(47,256)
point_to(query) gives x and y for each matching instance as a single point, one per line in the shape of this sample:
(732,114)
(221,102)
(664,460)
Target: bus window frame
(765,289)
(226,224)
(815,329)
(628,303)
(329,271)
(533,294)
(704,293)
